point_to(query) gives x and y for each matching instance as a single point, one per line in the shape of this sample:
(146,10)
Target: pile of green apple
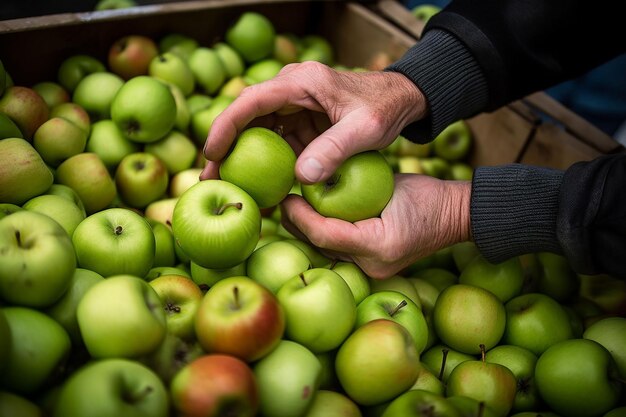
(130,288)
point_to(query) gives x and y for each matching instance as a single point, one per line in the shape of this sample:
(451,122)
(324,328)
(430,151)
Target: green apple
(36,259)
(164,245)
(183,180)
(355,278)
(74,113)
(58,139)
(125,243)
(8,128)
(606,291)
(316,48)
(396,283)
(610,332)
(578,377)
(175,150)
(141,178)
(616,412)
(441,360)
(465,317)
(108,142)
(535,321)
(311,300)
(121,316)
(60,209)
(8,208)
(75,67)
(198,101)
(26,108)
(183,114)
(171,356)
(332,403)
(52,93)
(159,271)
(288,380)
(233,87)
(95,93)
(252,35)
(15,405)
(426,292)
(420,403)
(181,45)
(454,142)
(427,381)
(557,279)
(130,56)
(66,192)
(38,350)
(180,298)
(240,317)
(5,336)
(505,279)
(114,4)
(113,387)
(207,68)
(318,260)
(470,407)
(173,69)
(161,210)
(275,263)
(23,174)
(262,70)
(86,174)
(144,109)
(202,120)
(206,277)
(231,60)
(392,305)
(217,224)
(359,189)
(425,11)
(460,171)
(285,48)
(215,385)
(463,253)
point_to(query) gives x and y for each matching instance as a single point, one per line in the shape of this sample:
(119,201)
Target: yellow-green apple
(216,224)
(8,128)
(26,108)
(58,139)
(173,69)
(36,259)
(377,362)
(311,300)
(535,321)
(275,263)
(435,166)
(440,278)
(233,87)
(130,56)
(359,189)
(328,377)
(52,93)
(215,385)
(95,93)
(16,405)
(463,253)
(355,278)
(252,35)
(522,363)
(74,113)
(420,403)
(239,317)
(39,348)
(207,68)
(89,177)
(66,192)
(610,332)
(578,377)
(62,210)
(426,292)
(8,208)
(425,11)
(183,180)
(316,48)
(262,70)
(428,381)
(125,243)
(396,283)
(288,378)
(178,43)
(505,279)
(113,387)
(144,109)
(466,316)
(556,278)
(23,174)
(202,120)
(175,150)
(108,142)
(318,260)
(395,306)
(64,310)
(183,114)
(454,142)
(285,48)
(231,60)
(198,101)
(180,298)
(159,271)
(262,163)
(441,360)
(141,178)
(206,277)
(5,336)
(121,316)
(460,171)
(75,67)
(332,403)
(470,407)
(161,210)
(164,249)
(405,147)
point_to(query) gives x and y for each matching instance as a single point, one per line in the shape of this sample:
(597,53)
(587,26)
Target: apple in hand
(311,300)
(288,378)
(62,210)
(130,56)
(108,142)
(377,362)
(252,35)
(239,317)
(37,259)
(113,387)
(578,377)
(275,263)
(262,163)
(359,189)
(215,385)
(217,224)
(180,298)
(121,316)
(454,142)
(75,67)
(124,240)
(23,174)
(144,109)
(58,139)
(26,108)
(141,178)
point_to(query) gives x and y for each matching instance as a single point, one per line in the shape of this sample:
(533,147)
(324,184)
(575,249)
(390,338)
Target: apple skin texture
(359,189)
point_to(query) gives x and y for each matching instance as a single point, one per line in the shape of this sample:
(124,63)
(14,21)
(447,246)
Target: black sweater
(478,56)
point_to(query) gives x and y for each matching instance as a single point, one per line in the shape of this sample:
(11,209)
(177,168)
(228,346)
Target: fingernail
(312,170)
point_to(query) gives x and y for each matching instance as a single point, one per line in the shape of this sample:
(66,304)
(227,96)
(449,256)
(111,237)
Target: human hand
(424,215)
(324,114)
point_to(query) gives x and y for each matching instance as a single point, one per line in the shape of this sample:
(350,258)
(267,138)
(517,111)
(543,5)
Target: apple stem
(481,409)
(334,263)
(169,307)
(303,279)
(482,352)
(399,307)
(18,238)
(203,287)
(236,297)
(133,398)
(444,357)
(223,208)
(331,182)
(118,230)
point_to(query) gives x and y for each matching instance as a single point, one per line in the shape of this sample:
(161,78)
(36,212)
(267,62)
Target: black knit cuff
(514,209)
(450,79)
